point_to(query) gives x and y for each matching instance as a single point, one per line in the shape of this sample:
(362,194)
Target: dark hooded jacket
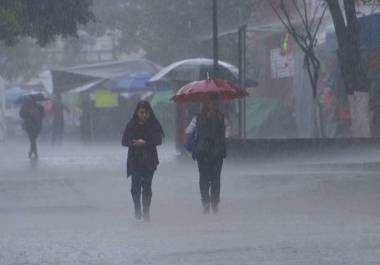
(142,158)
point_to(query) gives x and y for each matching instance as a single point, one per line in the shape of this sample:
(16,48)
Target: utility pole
(215,37)
(242,80)
(3,125)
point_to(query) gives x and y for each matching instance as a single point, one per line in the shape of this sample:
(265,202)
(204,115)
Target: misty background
(289,195)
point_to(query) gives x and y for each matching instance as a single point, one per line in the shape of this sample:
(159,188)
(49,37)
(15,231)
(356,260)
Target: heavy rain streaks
(89,89)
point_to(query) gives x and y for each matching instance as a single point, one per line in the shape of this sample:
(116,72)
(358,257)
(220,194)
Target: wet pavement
(73,206)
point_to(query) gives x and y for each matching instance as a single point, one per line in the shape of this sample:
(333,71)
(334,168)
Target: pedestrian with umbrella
(180,73)
(142,135)
(207,134)
(32,115)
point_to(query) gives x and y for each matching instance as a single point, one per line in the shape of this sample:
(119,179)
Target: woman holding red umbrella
(208,129)
(209,150)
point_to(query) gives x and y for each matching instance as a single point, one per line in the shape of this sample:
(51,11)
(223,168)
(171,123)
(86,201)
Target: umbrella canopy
(35,96)
(18,94)
(186,71)
(200,91)
(14,93)
(132,82)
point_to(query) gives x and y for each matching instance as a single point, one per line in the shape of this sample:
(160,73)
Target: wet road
(73,206)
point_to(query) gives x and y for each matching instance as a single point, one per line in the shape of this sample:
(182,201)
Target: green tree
(167,30)
(27,24)
(42,20)
(350,57)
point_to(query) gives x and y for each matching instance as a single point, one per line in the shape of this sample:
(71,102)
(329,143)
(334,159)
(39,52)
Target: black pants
(141,189)
(32,135)
(209,180)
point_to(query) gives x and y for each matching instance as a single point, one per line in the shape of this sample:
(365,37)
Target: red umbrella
(199,91)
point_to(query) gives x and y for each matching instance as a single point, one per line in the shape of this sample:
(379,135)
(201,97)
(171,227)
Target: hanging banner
(106,99)
(281,65)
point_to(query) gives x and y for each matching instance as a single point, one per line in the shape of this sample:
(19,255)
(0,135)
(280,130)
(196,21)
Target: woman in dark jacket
(209,151)
(141,135)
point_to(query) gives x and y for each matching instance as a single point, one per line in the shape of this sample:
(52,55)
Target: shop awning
(70,78)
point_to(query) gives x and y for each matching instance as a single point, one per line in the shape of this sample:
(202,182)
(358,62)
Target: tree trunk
(312,65)
(359,114)
(351,63)
(3,128)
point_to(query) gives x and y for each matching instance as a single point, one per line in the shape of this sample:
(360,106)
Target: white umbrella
(186,71)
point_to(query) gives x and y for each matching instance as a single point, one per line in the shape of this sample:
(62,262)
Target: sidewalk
(73,207)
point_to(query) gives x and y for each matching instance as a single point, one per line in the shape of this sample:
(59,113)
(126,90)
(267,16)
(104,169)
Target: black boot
(138,213)
(206,208)
(146,207)
(215,208)
(137,204)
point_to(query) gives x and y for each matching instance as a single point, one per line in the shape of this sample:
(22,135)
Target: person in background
(32,115)
(58,121)
(142,135)
(209,151)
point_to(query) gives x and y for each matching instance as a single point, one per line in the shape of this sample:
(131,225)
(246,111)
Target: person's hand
(139,142)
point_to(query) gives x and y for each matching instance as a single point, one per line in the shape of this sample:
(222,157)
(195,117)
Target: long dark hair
(143,104)
(213,98)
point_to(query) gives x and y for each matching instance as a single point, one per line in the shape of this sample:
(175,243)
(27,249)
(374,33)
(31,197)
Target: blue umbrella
(14,93)
(34,96)
(132,83)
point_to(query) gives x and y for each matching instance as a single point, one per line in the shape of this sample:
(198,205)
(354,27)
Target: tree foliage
(303,26)
(167,30)
(42,19)
(302,21)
